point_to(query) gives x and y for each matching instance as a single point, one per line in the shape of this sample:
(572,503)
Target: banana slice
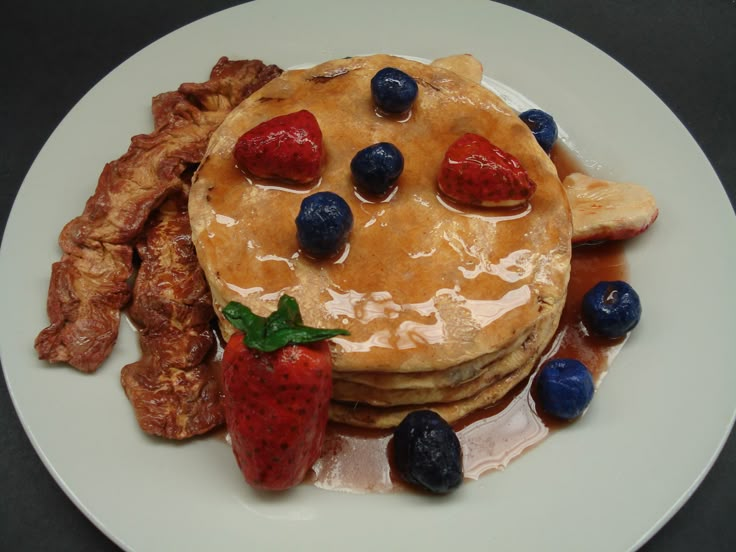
(606,210)
(465,65)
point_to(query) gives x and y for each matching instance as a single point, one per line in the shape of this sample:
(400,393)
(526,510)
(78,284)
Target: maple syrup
(358,460)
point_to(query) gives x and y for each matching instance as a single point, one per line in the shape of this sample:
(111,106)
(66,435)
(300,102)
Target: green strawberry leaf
(282,327)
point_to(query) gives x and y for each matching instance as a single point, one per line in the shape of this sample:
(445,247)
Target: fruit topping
(277,382)
(476,172)
(323,224)
(543,127)
(376,168)
(393,90)
(287,147)
(465,65)
(611,309)
(427,452)
(605,210)
(564,388)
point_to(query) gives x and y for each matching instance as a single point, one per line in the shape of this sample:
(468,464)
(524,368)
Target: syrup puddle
(491,443)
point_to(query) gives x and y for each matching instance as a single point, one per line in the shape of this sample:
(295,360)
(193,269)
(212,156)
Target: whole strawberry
(476,172)
(287,147)
(277,379)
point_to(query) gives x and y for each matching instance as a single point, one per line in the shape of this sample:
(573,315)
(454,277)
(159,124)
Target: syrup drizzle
(255,264)
(358,460)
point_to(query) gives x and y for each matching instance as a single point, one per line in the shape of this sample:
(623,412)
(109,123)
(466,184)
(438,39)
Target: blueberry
(393,90)
(564,388)
(611,309)
(543,127)
(323,224)
(376,168)
(427,452)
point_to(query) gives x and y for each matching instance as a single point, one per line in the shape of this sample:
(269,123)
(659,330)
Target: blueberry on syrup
(427,452)
(611,309)
(376,168)
(564,388)
(393,90)
(543,127)
(323,224)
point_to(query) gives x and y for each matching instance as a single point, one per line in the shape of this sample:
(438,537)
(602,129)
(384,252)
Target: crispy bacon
(174,387)
(90,284)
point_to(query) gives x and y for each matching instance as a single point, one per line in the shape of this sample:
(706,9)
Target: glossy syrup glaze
(422,286)
(358,460)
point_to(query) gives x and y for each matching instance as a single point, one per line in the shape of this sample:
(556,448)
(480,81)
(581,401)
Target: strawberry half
(475,172)
(287,147)
(277,382)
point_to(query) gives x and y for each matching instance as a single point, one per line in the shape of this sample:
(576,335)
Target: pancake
(513,360)
(509,375)
(454,375)
(434,295)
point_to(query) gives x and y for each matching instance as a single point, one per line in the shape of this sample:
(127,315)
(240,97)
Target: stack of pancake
(448,306)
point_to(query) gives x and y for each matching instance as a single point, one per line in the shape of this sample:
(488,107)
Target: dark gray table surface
(683,50)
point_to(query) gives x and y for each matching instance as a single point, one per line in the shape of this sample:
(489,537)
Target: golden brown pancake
(503,366)
(434,295)
(502,377)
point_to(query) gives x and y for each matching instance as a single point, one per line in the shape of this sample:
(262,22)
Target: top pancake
(423,285)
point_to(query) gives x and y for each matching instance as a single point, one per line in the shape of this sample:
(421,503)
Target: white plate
(608,482)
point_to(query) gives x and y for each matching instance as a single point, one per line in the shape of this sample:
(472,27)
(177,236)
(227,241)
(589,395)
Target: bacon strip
(174,388)
(89,285)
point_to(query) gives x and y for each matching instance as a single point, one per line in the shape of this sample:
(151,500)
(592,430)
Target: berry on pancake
(476,172)
(287,147)
(393,90)
(323,224)
(376,168)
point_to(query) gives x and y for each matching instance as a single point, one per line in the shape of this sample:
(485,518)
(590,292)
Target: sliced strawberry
(605,210)
(287,147)
(277,380)
(475,172)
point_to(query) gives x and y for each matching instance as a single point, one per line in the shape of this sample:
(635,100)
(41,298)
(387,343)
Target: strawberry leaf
(282,327)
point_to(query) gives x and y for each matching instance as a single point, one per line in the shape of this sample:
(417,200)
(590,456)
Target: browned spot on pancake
(428,84)
(326,77)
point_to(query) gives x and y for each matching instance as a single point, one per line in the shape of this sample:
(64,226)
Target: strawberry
(277,383)
(287,147)
(475,172)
